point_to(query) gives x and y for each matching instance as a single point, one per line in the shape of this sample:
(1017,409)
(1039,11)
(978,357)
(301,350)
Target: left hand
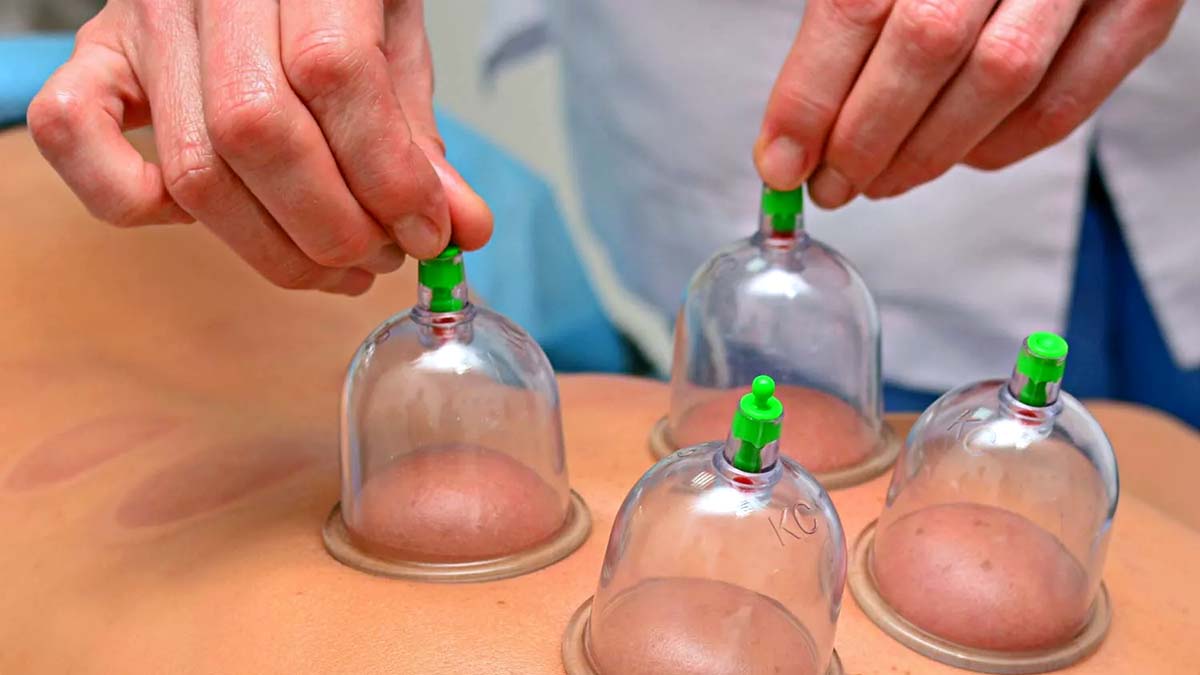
(880,96)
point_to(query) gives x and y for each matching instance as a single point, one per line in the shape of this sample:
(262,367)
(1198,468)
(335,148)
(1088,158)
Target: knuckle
(796,108)
(1156,18)
(121,213)
(322,63)
(406,183)
(917,165)
(936,30)
(191,176)
(856,156)
(1155,11)
(1011,61)
(861,13)
(246,115)
(93,29)
(347,247)
(988,158)
(54,118)
(1056,117)
(295,275)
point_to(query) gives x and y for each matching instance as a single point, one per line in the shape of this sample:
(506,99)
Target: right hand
(300,132)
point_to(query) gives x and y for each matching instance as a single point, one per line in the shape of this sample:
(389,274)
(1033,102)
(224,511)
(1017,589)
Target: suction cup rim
(570,537)
(575,655)
(882,459)
(866,593)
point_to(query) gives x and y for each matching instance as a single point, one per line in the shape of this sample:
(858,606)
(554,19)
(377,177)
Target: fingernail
(388,259)
(418,235)
(829,188)
(782,164)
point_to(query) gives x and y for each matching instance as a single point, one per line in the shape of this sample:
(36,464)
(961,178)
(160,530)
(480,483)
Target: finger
(267,136)
(1012,55)
(76,121)
(201,182)
(411,72)
(923,43)
(829,51)
(333,57)
(1108,41)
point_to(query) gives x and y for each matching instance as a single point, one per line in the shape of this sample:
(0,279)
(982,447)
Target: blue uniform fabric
(530,272)
(1117,349)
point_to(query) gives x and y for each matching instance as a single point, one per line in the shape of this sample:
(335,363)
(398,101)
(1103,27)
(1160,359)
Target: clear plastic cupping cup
(992,541)
(452,458)
(727,557)
(784,303)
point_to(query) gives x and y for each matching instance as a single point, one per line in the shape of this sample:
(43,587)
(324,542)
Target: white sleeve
(515,29)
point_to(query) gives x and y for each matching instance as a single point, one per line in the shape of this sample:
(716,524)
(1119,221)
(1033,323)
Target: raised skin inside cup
(981,576)
(820,431)
(455,504)
(691,626)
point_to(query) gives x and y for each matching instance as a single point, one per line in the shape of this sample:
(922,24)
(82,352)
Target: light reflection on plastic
(723,500)
(451,357)
(777,282)
(1002,434)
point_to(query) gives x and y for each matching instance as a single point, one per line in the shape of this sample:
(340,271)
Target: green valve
(1043,360)
(784,208)
(756,423)
(442,275)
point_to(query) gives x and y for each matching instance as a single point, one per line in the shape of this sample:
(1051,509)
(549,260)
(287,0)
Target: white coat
(664,101)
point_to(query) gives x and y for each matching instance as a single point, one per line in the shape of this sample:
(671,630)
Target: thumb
(410,66)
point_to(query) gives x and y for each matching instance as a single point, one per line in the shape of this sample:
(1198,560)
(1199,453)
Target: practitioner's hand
(301,132)
(879,96)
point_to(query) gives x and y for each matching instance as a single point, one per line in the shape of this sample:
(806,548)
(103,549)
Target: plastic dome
(451,444)
(783,303)
(997,520)
(724,558)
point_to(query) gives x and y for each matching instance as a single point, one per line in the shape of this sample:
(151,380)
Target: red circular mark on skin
(214,479)
(455,503)
(688,626)
(85,446)
(982,577)
(742,480)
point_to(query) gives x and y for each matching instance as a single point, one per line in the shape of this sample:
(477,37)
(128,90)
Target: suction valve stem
(753,441)
(442,281)
(782,212)
(1037,376)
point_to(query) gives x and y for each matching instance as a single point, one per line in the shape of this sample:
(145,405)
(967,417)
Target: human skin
(982,577)
(301,133)
(880,96)
(455,504)
(693,626)
(820,431)
(190,541)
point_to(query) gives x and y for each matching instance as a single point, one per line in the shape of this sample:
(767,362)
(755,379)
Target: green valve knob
(756,423)
(1042,360)
(442,275)
(784,208)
